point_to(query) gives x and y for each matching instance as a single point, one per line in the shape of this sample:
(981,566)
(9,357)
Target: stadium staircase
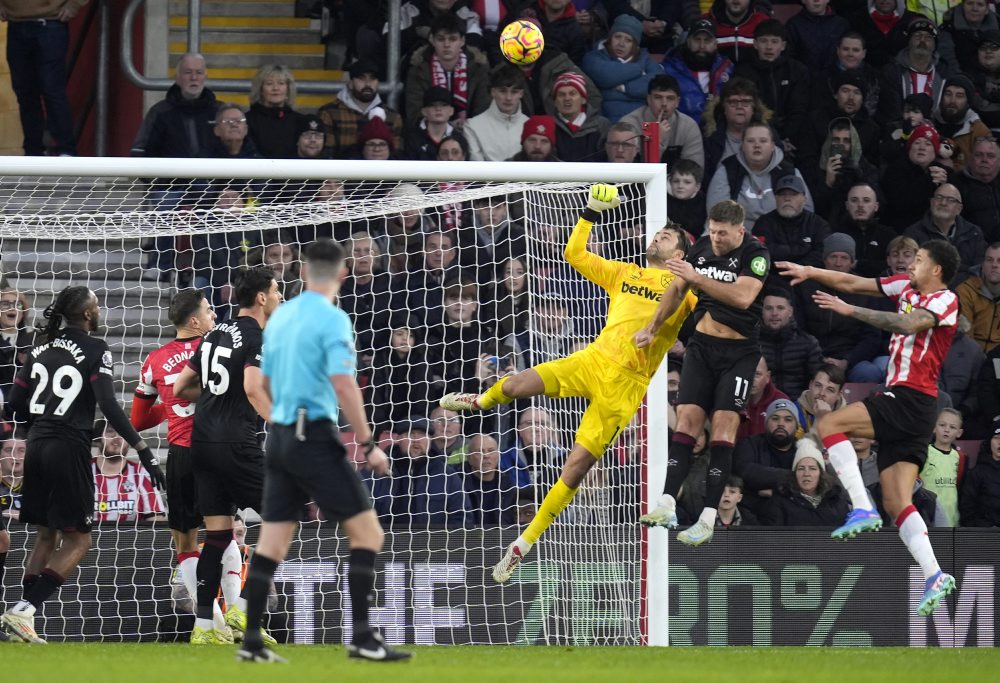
(238,36)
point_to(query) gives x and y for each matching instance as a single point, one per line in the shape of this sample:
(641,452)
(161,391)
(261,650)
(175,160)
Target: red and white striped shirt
(125,497)
(915,359)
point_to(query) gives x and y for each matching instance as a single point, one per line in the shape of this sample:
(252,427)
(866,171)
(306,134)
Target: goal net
(456,277)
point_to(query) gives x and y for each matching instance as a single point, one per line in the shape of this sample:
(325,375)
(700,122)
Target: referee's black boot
(372,647)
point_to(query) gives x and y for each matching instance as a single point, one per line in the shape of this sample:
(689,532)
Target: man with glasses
(944,222)
(980,187)
(622,144)
(740,105)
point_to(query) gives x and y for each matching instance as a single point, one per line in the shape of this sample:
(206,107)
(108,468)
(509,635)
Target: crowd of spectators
(851,132)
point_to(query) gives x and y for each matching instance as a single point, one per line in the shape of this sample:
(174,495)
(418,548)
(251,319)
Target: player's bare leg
(897,489)
(521,385)
(579,462)
(690,423)
(835,429)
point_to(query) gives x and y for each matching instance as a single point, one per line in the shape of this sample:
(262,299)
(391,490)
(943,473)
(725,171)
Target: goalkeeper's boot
(697,534)
(504,569)
(858,521)
(664,514)
(262,655)
(207,636)
(371,646)
(459,402)
(236,619)
(21,627)
(935,589)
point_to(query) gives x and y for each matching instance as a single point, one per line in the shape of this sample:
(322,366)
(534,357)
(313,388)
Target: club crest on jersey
(734,263)
(759,266)
(106,359)
(664,280)
(907,307)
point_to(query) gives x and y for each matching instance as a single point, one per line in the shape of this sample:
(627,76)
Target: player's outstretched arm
(918,320)
(842,282)
(669,303)
(350,401)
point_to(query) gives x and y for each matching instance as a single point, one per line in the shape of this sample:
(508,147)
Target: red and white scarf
(459,82)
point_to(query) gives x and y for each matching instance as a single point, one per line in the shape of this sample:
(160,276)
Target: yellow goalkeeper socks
(494,396)
(556,500)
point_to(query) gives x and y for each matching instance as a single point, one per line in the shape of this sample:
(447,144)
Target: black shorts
(316,469)
(58,487)
(717,373)
(182,498)
(228,477)
(903,421)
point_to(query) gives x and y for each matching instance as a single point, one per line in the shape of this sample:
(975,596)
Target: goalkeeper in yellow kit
(612,373)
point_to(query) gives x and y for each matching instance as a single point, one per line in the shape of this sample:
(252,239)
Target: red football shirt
(159,373)
(125,497)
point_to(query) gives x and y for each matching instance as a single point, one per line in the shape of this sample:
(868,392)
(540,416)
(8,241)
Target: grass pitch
(176,663)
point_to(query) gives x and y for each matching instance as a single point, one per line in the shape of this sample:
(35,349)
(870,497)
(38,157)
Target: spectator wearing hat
(908,181)
(979,183)
(421,492)
(538,139)
(881,24)
(310,136)
(979,499)
(915,70)
(422,138)
(446,63)
(943,221)
(809,496)
(762,394)
(621,68)
(765,459)
(376,141)
(848,102)
(735,21)
(813,34)
(699,56)
(958,39)
(680,137)
(985,75)
(790,231)
(783,82)
(957,121)
(495,135)
(792,354)
(356,104)
(579,135)
(272,119)
(850,56)
(841,166)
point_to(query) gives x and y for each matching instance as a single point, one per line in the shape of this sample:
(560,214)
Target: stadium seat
(855,391)
(785,12)
(971,449)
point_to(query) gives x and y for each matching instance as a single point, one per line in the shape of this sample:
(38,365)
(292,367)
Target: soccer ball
(522,42)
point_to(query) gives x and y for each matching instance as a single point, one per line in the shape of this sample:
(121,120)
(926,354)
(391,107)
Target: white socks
(232,574)
(845,463)
(913,531)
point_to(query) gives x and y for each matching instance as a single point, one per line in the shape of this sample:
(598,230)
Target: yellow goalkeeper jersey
(634,293)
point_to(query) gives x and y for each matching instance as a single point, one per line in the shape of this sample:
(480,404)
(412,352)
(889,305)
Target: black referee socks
(361,584)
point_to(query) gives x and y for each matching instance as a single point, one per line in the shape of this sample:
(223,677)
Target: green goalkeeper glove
(603,197)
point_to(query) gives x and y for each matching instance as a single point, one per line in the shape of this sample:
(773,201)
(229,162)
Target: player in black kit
(728,267)
(65,377)
(224,377)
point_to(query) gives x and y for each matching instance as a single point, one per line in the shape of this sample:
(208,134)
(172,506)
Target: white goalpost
(437,252)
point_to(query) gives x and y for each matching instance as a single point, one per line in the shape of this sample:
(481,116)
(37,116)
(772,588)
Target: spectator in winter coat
(421,139)
(559,24)
(850,57)
(579,135)
(782,82)
(848,102)
(859,221)
(727,116)
(956,120)
(882,24)
(621,69)
(538,139)
(699,68)
(959,36)
(985,75)
(944,222)
(402,377)
(907,182)
(492,494)
(273,121)
(366,294)
(680,137)
(980,187)
(790,232)
(915,69)
(979,298)
(813,34)
(495,135)
(540,77)
(735,22)
(960,369)
(762,394)
(356,104)
(765,460)
(979,501)
(537,456)
(809,497)
(687,201)
(824,395)
(792,355)
(841,166)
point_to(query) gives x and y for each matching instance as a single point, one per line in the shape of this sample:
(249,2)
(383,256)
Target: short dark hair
(447,23)
(250,282)
(184,304)
(460,139)
(459,287)
(944,254)
(770,27)
(325,259)
(758,124)
(853,35)
(664,82)
(727,211)
(507,76)
(689,167)
(735,482)
(738,86)
(781,292)
(834,372)
(683,239)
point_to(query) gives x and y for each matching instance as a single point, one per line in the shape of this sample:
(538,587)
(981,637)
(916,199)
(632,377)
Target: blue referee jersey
(305,341)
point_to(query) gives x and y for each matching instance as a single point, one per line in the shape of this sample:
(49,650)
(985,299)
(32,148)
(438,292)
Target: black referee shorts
(903,421)
(316,469)
(228,477)
(58,487)
(717,373)
(182,498)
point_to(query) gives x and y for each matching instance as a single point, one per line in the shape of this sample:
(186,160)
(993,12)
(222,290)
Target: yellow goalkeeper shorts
(614,392)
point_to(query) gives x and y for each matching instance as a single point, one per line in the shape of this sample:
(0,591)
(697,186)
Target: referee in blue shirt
(309,371)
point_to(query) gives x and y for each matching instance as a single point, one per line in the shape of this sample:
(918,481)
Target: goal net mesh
(451,284)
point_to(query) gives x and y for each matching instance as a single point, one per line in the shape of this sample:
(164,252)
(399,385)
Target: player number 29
(214,375)
(59,388)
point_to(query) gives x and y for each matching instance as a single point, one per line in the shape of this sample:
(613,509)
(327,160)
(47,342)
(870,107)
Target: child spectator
(944,468)
(423,137)
(731,513)
(686,204)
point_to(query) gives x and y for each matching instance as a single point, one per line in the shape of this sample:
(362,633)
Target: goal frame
(654,588)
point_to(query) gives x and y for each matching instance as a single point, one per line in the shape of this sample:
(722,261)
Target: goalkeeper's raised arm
(602,197)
